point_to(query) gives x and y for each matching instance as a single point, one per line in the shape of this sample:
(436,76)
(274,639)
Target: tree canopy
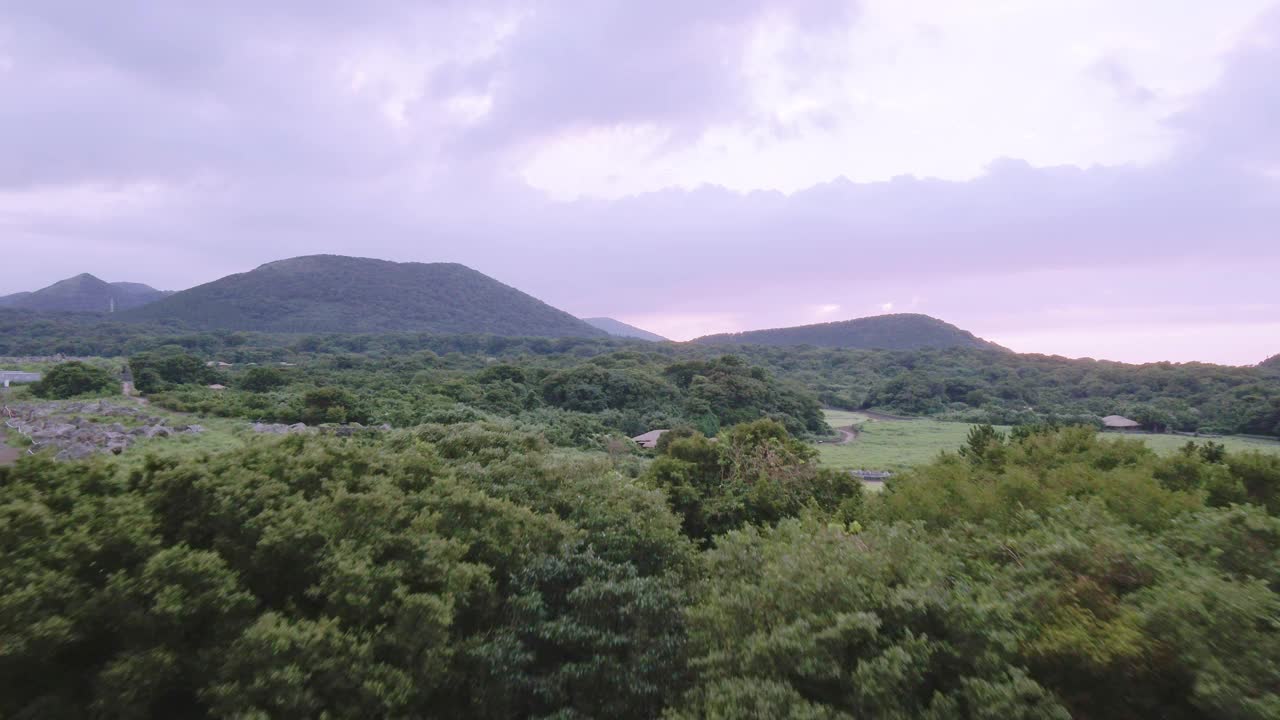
(73,378)
(474,570)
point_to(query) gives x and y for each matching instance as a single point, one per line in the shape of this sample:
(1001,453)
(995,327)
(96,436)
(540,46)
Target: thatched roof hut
(648,440)
(1119,422)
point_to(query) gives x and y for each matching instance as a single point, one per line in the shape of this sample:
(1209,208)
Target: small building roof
(1119,421)
(216,386)
(649,439)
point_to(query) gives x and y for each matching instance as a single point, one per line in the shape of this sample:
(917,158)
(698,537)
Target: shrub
(73,378)
(263,380)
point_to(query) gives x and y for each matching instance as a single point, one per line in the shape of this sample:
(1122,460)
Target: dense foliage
(74,378)
(754,474)
(156,371)
(472,570)
(455,572)
(330,293)
(1009,388)
(902,331)
(574,402)
(957,384)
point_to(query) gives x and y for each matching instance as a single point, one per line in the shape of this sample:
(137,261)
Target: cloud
(1233,125)
(170,146)
(1116,75)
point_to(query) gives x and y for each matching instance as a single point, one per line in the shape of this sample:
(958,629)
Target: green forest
(472,569)
(462,528)
(964,384)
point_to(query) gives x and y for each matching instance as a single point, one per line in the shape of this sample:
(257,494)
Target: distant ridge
(617,328)
(335,293)
(900,331)
(1271,362)
(84,293)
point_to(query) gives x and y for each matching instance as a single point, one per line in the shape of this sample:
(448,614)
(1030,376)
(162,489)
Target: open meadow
(900,444)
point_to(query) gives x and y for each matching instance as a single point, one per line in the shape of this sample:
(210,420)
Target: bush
(156,371)
(260,380)
(74,378)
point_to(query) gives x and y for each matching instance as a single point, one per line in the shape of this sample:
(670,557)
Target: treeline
(574,404)
(1010,389)
(471,570)
(961,384)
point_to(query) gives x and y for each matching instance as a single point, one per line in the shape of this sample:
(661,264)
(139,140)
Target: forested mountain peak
(335,293)
(84,293)
(899,331)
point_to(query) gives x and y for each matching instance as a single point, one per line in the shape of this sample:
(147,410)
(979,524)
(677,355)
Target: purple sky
(1060,176)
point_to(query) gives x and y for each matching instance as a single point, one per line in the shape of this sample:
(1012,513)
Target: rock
(195,429)
(297,428)
(78,451)
(51,432)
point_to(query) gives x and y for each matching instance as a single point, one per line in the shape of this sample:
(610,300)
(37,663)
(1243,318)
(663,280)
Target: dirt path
(847,435)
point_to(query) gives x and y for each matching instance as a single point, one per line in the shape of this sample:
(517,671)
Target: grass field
(897,445)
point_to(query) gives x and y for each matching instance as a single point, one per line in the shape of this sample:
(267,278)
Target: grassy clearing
(220,435)
(1166,444)
(891,444)
(897,445)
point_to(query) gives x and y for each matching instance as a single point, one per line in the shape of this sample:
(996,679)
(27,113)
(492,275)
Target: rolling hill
(902,331)
(333,293)
(617,328)
(84,293)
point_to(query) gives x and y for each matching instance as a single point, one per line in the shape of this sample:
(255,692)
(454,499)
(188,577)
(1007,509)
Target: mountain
(333,293)
(1271,362)
(84,293)
(617,328)
(902,331)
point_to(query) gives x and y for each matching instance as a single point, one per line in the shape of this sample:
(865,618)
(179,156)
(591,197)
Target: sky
(1075,177)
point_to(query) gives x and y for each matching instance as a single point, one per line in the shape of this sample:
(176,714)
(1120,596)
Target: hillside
(84,293)
(903,331)
(1272,362)
(332,293)
(617,328)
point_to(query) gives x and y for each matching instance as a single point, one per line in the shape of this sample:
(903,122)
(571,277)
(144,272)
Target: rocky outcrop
(75,430)
(343,430)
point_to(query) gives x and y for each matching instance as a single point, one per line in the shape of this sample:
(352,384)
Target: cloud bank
(172,145)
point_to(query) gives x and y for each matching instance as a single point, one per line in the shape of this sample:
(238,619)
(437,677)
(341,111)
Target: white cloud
(877,98)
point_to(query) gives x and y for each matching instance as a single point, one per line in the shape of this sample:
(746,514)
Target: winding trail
(847,435)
